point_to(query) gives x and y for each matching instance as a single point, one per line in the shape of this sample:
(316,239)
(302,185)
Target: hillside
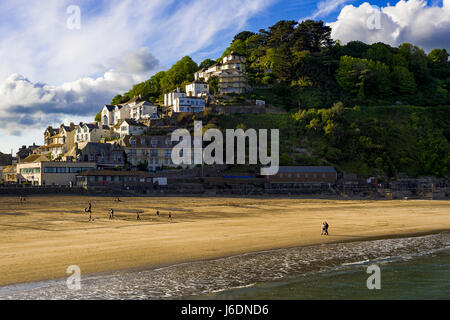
(377,140)
(300,69)
(292,65)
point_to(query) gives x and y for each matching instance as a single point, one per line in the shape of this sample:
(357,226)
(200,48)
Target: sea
(405,268)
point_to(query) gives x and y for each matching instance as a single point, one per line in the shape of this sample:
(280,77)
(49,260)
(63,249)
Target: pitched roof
(311,169)
(10,169)
(135,99)
(35,158)
(109,107)
(134,123)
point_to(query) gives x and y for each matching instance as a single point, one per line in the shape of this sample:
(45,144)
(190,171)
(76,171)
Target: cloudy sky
(62,60)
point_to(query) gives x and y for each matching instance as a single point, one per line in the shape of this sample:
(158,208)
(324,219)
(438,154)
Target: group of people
(325,228)
(111,212)
(22,199)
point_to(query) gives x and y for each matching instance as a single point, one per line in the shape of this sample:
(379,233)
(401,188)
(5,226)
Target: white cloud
(82,69)
(35,105)
(324,8)
(407,21)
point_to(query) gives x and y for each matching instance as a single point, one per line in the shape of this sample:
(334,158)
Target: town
(129,151)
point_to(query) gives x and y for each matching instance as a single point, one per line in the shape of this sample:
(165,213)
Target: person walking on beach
(170,216)
(326,228)
(322,228)
(90,206)
(138,217)
(157,213)
(111,214)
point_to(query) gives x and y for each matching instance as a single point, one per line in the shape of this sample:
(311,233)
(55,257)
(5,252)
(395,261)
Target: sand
(39,240)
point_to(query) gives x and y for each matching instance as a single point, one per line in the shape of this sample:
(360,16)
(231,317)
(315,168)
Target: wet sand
(41,238)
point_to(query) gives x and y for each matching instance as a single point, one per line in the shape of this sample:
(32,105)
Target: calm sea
(410,268)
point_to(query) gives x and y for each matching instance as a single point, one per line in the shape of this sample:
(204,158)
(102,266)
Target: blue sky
(51,71)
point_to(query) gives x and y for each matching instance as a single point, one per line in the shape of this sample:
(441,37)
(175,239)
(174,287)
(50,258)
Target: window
(74,170)
(124,128)
(30,170)
(61,170)
(133,142)
(49,170)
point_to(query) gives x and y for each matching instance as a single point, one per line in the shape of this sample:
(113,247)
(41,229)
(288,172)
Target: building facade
(169,98)
(126,180)
(198,89)
(230,72)
(300,175)
(91,132)
(154,151)
(129,127)
(43,173)
(136,109)
(189,104)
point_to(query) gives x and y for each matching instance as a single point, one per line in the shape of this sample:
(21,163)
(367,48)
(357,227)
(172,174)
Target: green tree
(403,80)
(206,63)
(438,56)
(312,36)
(98,117)
(351,74)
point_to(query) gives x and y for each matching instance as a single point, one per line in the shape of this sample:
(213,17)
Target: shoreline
(39,241)
(180,263)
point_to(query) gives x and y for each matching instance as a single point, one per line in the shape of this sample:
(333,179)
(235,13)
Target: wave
(207,277)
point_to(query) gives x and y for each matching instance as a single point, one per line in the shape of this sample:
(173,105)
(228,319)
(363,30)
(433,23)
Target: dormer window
(133,142)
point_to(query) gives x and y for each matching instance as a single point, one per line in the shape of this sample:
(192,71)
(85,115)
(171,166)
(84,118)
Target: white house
(129,127)
(169,98)
(197,88)
(136,109)
(143,110)
(230,72)
(189,104)
(91,132)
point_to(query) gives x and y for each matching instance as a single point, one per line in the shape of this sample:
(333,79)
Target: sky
(62,60)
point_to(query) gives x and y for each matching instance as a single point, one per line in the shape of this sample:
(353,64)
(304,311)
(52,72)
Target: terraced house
(129,127)
(152,151)
(91,132)
(136,109)
(57,141)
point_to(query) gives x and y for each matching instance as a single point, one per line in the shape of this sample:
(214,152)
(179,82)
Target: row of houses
(37,170)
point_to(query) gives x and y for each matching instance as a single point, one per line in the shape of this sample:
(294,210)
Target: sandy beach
(42,237)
